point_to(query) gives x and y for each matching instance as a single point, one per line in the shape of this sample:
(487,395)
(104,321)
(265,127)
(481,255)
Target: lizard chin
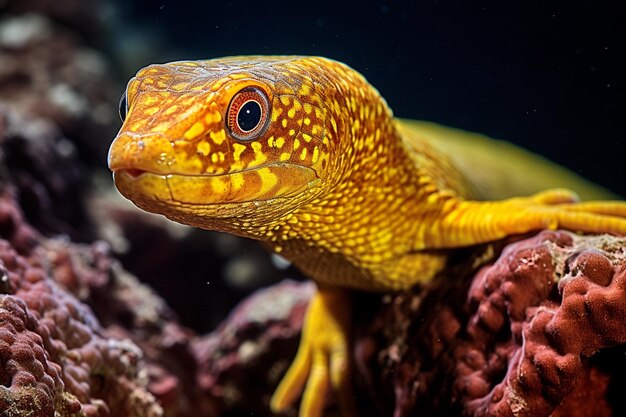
(213,195)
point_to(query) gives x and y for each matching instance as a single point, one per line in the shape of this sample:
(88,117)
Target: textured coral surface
(54,355)
(551,302)
(529,335)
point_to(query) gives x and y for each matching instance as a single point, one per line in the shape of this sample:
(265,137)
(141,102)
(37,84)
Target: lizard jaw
(163,193)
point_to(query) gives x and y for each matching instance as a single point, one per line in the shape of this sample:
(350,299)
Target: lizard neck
(365,227)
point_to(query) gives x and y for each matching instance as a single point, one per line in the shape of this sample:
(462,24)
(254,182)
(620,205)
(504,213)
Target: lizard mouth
(177,190)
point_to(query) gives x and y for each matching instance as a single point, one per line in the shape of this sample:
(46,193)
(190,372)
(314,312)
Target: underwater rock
(241,362)
(57,114)
(85,15)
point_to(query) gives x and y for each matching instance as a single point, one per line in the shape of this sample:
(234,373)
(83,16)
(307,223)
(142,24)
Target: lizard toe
(322,363)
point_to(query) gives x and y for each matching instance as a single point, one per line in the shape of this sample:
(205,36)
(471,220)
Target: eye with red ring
(248,114)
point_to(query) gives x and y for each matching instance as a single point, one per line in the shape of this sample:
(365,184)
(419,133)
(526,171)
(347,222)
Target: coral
(522,337)
(56,112)
(106,345)
(54,355)
(554,324)
(13,228)
(129,310)
(529,334)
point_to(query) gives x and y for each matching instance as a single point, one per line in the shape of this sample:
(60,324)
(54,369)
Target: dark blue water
(548,77)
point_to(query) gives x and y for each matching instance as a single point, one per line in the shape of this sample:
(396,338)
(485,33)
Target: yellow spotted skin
(352,196)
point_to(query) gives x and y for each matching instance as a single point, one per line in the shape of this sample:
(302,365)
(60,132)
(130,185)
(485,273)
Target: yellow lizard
(304,155)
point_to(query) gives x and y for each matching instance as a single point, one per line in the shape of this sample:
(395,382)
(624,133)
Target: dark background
(545,75)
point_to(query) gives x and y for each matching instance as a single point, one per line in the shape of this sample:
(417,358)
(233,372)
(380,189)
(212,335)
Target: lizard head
(225,143)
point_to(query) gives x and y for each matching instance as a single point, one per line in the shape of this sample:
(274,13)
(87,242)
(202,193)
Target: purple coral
(54,356)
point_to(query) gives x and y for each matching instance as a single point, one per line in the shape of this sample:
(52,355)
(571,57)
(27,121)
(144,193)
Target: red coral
(553,325)
(526,336)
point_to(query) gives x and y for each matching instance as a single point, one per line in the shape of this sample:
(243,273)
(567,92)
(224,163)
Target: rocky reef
(528,327)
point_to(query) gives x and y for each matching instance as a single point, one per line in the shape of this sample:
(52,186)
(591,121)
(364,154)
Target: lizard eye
(123,106)
(248,114)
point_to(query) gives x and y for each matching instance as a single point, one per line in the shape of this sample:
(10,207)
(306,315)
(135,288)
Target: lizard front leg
(464,223)
(323,358)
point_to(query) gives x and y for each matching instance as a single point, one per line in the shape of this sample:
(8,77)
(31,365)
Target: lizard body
(303,154)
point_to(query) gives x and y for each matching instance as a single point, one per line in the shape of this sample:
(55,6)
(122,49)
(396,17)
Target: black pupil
(249,116)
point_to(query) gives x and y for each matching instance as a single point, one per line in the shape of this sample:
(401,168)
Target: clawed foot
(474,222)
(323,359)
(560,209)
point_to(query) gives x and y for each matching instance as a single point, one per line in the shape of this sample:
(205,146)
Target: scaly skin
(352,196)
